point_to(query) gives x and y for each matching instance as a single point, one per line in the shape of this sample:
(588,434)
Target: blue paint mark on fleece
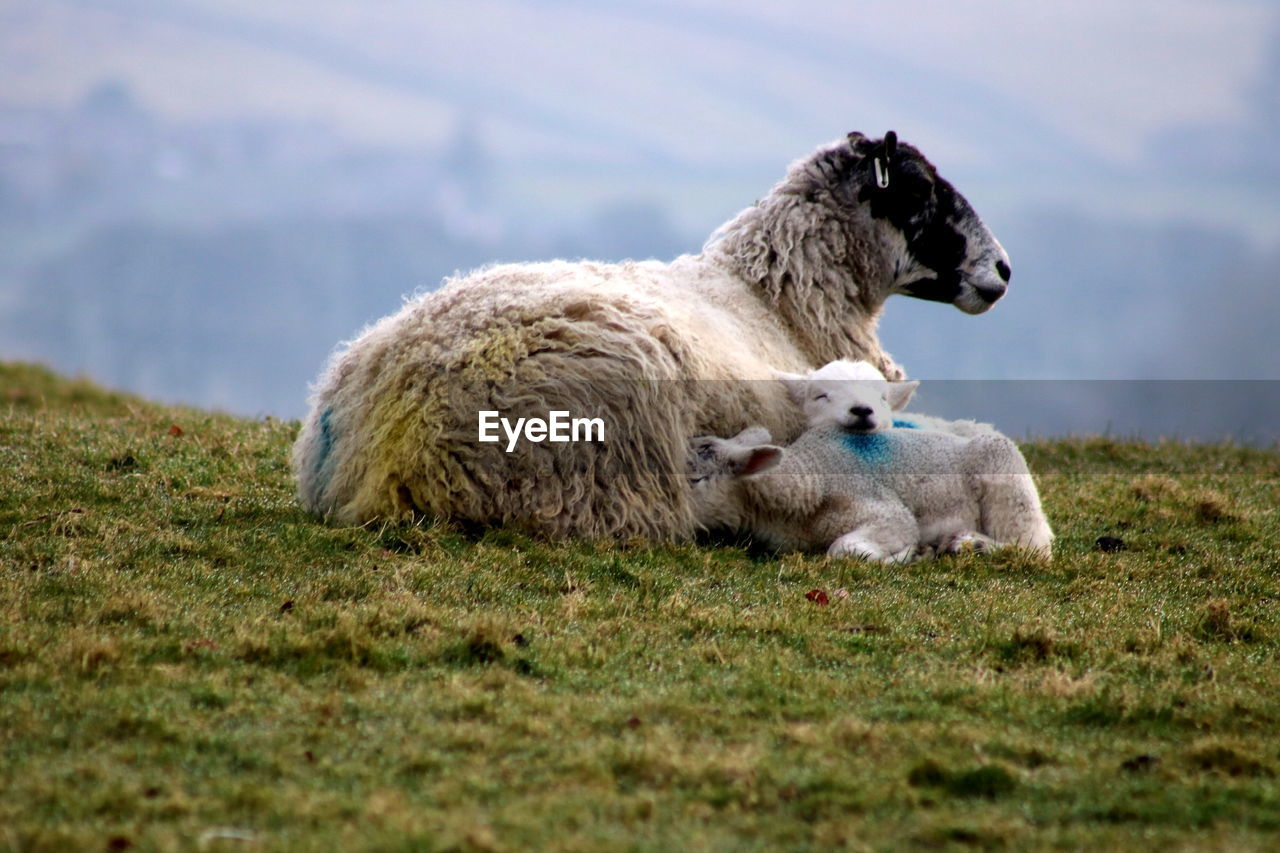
(326,439)
(901,424)
(872,447)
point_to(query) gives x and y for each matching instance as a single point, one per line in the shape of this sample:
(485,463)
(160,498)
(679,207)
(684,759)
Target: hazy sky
(681,78)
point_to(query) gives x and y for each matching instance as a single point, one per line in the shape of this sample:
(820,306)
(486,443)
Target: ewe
(856,487)
(796,280)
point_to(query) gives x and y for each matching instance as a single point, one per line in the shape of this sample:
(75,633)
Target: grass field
(188,661)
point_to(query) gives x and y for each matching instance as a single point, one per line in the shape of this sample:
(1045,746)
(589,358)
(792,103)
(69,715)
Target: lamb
(797,280)
(855,487)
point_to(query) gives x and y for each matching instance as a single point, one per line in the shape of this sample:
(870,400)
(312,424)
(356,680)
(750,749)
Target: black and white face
(946,252)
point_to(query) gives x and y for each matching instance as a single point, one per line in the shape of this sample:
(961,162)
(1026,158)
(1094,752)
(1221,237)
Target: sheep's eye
(820,397)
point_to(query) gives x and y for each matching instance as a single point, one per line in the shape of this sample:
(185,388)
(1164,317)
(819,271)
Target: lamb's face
(714,465)
(855,405)
(851,394)
(946,252)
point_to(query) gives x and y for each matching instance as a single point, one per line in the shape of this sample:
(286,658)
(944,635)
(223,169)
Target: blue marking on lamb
(871,447)
(899,423)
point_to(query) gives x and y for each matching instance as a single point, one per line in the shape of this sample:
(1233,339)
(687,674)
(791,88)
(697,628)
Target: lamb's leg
(857,543)
(1010,503)
(890,537)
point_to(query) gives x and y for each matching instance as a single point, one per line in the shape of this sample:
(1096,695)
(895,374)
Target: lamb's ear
(753,435)
(899,394)
(797,386)
(749,461)
(854,138)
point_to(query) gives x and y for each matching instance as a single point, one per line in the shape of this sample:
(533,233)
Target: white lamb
(856,488)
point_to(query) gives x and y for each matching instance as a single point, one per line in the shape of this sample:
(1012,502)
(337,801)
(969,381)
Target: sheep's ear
(750,461)
(899,394)
(890,145)
(854,138)
(753,435)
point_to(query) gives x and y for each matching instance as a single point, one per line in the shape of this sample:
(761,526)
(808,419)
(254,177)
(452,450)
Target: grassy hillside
(187,661)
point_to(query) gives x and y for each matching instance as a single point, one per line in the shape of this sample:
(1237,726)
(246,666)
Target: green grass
(187,661)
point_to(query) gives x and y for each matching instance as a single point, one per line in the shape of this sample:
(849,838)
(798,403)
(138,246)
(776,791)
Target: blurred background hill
(200,198)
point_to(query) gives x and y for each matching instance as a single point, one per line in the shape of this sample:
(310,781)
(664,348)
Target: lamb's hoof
(969,543)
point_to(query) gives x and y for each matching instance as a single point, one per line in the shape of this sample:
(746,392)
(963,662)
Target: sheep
(888,496)
(796,280)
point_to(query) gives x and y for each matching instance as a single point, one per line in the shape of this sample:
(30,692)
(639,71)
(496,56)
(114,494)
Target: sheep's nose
(1002,269)
(860,411)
